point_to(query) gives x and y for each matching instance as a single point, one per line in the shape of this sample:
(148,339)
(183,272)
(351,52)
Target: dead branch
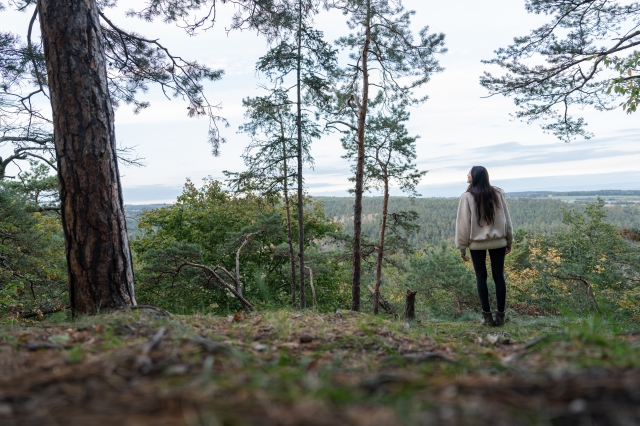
(587,284)
(247,240)
(221,282)
(313,288)
(39,313)
(384,303)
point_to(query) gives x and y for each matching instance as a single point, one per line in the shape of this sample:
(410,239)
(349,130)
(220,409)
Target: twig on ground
(39,313)
(143,362)
(157,309)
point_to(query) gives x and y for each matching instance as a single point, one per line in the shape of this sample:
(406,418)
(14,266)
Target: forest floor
(289,368)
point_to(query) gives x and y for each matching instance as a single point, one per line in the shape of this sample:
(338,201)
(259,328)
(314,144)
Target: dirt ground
(287,368)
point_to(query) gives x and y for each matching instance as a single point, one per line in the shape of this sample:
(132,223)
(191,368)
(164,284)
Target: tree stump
(410,305)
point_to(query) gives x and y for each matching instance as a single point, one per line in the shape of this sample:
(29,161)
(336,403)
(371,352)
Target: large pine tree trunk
(383,229)
(357,205)
(97,249)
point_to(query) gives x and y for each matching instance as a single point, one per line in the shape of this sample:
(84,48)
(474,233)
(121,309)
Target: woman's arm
(463,225)
(508,222)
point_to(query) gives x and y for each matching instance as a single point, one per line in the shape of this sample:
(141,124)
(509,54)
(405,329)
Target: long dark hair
(485,195)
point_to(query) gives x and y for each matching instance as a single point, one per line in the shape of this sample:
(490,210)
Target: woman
(483,224)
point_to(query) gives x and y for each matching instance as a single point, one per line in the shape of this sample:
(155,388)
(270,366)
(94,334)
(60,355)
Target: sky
(458,126)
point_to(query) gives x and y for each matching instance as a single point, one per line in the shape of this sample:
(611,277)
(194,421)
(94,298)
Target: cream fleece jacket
(470,234)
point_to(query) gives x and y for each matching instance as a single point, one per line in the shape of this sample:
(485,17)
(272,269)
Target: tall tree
(386,56)
(302,55)
(585,56)
(91,64)
(98,254)
(390,153)
(271,156)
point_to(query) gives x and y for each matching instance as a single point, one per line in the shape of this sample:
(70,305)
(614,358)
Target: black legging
(497,271)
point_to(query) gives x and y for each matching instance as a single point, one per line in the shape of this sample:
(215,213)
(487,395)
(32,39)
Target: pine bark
(357,205)
(92,208)
(383,228)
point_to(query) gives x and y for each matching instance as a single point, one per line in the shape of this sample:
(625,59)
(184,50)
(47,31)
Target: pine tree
(301,55)
(384,55)
(271,156)
(390,153)
(585,56)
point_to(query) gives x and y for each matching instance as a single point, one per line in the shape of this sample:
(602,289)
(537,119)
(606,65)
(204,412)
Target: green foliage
(32,257)
(588,267)
(207,226)
(38,185)
(390,152)
(399,62)
(444,282)
(626,85)
(271,156)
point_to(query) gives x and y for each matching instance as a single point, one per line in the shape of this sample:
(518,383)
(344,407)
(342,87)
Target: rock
(6,410)
(578,406)
(493,338)
(260,347)
(306,338)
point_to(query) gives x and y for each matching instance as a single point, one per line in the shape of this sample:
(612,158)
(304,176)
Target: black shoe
(487,318)
(499,319)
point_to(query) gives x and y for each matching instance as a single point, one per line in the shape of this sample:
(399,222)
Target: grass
(286,367)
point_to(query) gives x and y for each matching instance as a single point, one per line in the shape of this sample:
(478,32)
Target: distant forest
(602,193)
(437,216)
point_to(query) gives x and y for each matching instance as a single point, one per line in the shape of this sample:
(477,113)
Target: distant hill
(547,194)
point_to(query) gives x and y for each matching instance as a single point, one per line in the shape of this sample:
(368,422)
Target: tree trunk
(287,207)
(357,205)
(303,300)
(410,305)
(383,228)
(97,248)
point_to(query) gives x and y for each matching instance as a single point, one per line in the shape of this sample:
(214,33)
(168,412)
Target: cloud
(582,182)
(148,194)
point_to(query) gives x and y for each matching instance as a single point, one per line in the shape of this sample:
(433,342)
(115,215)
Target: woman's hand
(464,257)
(508,250)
